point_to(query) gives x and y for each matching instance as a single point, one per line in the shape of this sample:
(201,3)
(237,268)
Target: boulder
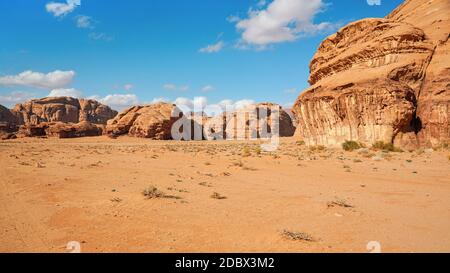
(151,121)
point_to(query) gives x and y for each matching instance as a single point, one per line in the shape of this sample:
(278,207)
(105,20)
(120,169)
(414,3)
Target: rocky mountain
(382,79)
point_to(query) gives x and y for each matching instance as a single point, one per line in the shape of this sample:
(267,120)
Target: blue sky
(138,51)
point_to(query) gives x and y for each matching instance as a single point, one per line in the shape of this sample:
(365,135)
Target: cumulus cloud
(118,101)
(281,21)
(52,80)
(65,92)
(60,9)
(214,48)
(84,21)
(11,99)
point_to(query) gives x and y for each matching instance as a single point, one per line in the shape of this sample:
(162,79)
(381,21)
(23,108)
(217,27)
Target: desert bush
(217,196)
(380,145)
(317,148)
(300,142)
(246,152)
(297,236)
(152,192)
(350,145)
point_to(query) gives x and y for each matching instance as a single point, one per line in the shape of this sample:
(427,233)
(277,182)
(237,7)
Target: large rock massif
(152,121)
(382,79)
(252,122)
(63,117)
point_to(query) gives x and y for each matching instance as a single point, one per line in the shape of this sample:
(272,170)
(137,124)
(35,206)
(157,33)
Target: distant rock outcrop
(381,80)
(151,121)
(63,109)
(254,121)
(62,117)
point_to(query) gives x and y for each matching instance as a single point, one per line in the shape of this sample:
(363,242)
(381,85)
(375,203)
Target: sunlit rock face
(381,79)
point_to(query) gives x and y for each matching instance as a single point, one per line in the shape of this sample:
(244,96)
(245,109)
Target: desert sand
(90,190)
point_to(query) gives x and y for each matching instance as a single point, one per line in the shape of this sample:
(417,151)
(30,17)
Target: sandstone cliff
(254,121)
(63,109)
(381,79)
(63,117)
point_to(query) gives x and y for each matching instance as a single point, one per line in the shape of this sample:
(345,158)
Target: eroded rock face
(8,120)
(63,109)
(381,79)
(254,121)
(152,121)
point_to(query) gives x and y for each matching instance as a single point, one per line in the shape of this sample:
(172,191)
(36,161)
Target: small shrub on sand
(317,148)
(297,236)
(258,150)
(217,196)
(339,203)
(350,145)
(246,152)
(153,193)
(300,143)
(380,145)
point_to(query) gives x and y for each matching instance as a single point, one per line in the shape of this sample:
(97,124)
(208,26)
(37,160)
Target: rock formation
(62,117)
(254,121)
(151,121)
(63,109)
(383,79)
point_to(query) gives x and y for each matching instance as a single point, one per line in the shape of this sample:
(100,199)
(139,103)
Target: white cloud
(214,48)
(11,99)
(117,101)
(84,21)
(184,88)
(281,21)
(65,92)
(174,87)
(61,9)
(158,100)
(233,19)
(170,86)
(207,88)
(52,80)
(100,36)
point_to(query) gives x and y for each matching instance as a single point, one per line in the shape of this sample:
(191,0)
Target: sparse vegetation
(246,152)
(300,143)
(297,236)
(339,203)
(153,193)
(389,147)
(218,196)
(317,148)
(350,145)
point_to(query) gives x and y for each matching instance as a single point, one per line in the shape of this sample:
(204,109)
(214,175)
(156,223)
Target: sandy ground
(90,190)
